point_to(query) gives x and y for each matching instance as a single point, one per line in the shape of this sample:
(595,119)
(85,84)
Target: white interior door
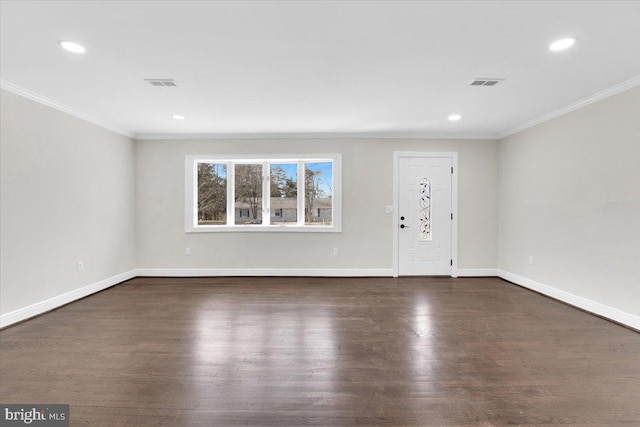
(424,215)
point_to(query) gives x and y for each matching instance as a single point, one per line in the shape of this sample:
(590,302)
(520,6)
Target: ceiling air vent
(161,82)
(485,82)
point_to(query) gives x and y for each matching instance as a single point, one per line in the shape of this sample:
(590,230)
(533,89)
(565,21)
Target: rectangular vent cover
(161,82)
(485,82)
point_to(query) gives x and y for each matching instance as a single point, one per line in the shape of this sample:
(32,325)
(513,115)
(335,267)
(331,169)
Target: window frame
(191,193)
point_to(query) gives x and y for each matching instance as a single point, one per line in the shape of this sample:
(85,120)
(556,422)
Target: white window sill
(263,229)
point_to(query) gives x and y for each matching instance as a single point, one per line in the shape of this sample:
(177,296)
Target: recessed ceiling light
(454,117)
(178,117)
(562,44)
(71,46)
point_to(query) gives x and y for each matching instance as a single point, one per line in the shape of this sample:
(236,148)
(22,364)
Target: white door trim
(397,155)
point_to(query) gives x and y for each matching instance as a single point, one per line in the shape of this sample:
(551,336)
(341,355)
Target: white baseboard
(477,272)
(575,300)
(225,272)
(60,300)
(317,272)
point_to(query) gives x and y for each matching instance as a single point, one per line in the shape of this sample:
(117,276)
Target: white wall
(67,195)
(570,196)
(366,240)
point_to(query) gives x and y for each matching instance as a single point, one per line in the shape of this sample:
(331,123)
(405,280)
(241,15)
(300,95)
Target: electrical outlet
(530,259)
(336,252)
(80,266)
(187,251)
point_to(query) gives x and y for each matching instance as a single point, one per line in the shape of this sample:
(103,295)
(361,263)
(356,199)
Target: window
(248,193)
(425,209)
(212,193)
(294,193)
(318,184)
(283,189)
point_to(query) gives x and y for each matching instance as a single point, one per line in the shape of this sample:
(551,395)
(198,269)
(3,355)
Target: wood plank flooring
(324,351)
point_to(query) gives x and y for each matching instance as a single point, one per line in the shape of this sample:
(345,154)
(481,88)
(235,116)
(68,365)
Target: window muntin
(298,193)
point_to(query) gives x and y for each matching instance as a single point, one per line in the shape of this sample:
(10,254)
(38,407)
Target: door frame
(397,155)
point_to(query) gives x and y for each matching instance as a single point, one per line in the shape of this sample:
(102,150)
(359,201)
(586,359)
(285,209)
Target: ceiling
(317,67)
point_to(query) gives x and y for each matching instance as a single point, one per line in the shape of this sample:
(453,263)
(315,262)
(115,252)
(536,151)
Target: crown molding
(613,90)
(315,135)
(26,93)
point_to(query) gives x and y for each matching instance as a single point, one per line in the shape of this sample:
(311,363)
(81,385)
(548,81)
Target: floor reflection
(264,350)
(424,360)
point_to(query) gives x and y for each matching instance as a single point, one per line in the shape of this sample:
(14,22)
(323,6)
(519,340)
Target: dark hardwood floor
(326,351)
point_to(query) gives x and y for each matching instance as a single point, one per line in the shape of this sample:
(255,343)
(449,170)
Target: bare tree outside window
(317,193)
(212,194)
(278,181)
(248,180)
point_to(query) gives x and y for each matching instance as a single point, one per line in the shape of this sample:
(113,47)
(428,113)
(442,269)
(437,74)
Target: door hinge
(452,217)
(451,263)
(452,169)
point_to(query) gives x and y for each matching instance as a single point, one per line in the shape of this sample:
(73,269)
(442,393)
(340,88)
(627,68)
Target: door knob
(403,226)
